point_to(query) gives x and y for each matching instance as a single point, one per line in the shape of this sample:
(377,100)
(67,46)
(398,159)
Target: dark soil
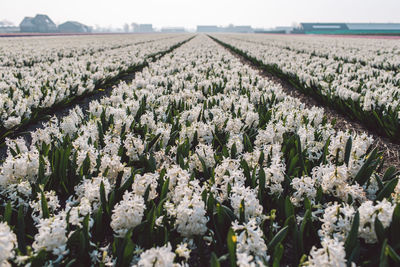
(389,149)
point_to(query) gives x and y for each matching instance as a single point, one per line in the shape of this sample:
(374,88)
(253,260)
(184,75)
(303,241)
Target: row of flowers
(25,52)
(365,93)
(199,161)
(377,53)
(26,91)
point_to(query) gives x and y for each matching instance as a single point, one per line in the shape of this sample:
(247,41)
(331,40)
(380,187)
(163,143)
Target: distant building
(40,23)
(208,28)
(349,28)
(143,28)
(173,29)
(230,28)
(285,29)
(241,29)
(276,30)
(73,27)
(8,27)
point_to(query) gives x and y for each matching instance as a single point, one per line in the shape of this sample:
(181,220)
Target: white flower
(157,257)
(11,122)
(90,190)
(204,152)
(252,208)
(368,212)
(332,254)
(303,187)
(142,182)
(52,204)
(250,241)
(183,251)
(8,242)
(191,216)
(52,235)
(127,214)
(337,221)
(134,146)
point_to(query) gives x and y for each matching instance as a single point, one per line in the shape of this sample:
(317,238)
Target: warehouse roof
(373,26)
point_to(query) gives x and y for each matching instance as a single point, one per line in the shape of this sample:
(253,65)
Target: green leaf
(261,184)
(152,142)
(45,208)
(99,224)
(389,174)
(7,213)
(70,263)
(387,190)
(394,228)
(354,254)
(379,230)
(103,200)
(393,255)
(164,189)
(214,262)
(383,259)
(229,212)
(322,159)
(300,153)
(293,162)
(289,209)
(368,167)
(233,151)
(21,230)
(278,238)
(40,259)
(352,238)
(246,170)
(278,253)
(231,242)
(348,151)
(248,147)
(41,174)
(128,250)
(303,225)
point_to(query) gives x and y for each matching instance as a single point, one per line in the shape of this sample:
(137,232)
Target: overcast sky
(189,13)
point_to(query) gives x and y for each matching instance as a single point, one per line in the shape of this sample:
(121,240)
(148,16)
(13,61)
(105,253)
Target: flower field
(358,77)
(40,73)
(199,161)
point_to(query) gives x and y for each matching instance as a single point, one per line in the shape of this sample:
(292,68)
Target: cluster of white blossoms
(52,235)
(337,221)
(332,254)
(8,242)
(157,257)
(364,72)
(35,77)
(197,144)
(250,245)
(128,213)
(52,203)
(336,180)
(303,187)
(383,210)
(244,199)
